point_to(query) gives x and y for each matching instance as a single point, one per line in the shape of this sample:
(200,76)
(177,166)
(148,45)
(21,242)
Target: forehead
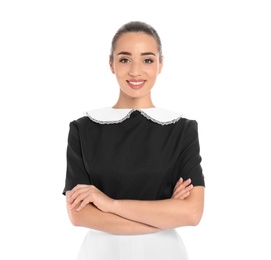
(136,41)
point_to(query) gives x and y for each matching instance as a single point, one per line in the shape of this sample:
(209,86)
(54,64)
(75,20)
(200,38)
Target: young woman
(133,170)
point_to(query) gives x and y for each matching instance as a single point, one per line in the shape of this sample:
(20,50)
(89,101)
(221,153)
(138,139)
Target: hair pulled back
(136,26)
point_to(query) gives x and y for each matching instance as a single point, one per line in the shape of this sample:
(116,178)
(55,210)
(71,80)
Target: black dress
(133,154)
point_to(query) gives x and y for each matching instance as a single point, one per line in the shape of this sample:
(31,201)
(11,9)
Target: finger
(82,204)
(75,203)
(77,192)
(74,189)
(70,198)
(67,193)
(187,182)
(185,195)
(182,182)
(72,204)
(77,189)
(182,189)
(179,182)
(181,193)
(78,199)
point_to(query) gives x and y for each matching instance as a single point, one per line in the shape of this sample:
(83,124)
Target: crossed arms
(88,207)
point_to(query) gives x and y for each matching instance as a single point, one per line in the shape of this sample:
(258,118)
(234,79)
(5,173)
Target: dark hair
(136,26)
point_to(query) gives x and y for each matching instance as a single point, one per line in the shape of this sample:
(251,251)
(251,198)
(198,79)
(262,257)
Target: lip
(136,84)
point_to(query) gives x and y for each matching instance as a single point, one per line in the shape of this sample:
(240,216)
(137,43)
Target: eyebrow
(130,54)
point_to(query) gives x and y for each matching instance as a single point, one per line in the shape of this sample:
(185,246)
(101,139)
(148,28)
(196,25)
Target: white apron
(163,245)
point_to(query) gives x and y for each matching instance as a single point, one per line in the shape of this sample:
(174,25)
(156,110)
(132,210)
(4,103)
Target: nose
(135,70)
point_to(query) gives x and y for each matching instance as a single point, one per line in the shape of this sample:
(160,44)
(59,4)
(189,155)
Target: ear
(161,65)
(111,65)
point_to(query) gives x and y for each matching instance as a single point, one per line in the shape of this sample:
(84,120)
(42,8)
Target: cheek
(121,71)
(153,72)
(119,74)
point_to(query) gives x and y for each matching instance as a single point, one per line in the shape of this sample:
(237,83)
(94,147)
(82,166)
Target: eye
(148,61)
(124,60)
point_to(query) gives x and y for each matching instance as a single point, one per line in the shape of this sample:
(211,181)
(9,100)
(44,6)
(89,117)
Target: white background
(54,66)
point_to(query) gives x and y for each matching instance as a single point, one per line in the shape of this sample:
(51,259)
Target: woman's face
(136,64)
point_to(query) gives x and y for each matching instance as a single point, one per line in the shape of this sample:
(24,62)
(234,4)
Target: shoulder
(80,121)
(79,124)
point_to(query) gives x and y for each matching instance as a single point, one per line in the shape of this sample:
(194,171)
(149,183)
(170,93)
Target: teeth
(136,83)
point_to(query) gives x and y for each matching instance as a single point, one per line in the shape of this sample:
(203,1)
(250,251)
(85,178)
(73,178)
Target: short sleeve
(75,172)
(190,158)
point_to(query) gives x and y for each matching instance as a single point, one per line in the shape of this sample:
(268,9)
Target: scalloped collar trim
(109,115)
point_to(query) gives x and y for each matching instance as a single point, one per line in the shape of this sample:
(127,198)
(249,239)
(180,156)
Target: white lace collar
(109,115)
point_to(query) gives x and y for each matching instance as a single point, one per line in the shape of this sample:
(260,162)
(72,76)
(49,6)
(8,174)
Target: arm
(163,214)
(184,208)
(91,217)
(89,207)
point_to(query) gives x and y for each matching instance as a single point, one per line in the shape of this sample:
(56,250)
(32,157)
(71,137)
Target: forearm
(163,214)
(93,218)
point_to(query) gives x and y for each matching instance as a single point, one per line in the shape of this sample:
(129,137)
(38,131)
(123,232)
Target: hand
(82,194)
(182,189)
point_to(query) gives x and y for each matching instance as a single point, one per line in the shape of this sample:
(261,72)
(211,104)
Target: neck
(134,103)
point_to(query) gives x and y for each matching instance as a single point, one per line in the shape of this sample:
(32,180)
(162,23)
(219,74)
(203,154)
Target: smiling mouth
(135,84)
